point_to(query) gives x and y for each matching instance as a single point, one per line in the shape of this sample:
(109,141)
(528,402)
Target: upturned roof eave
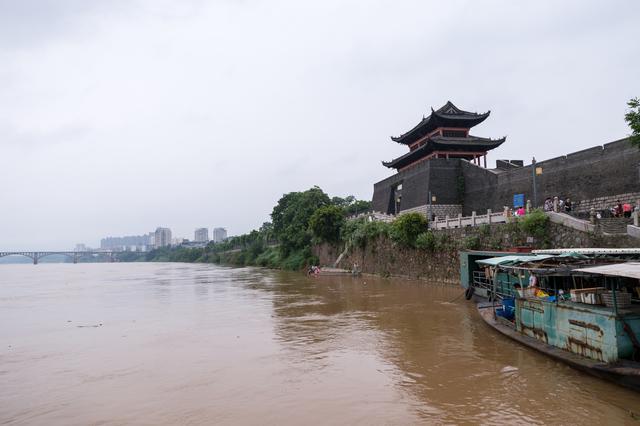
(482,144)
(437,117)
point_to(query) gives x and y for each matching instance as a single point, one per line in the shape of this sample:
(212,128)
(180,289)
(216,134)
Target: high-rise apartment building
(219,235)
(201,235)
(162,237)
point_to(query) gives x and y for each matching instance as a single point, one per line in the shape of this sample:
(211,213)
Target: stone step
(615,225)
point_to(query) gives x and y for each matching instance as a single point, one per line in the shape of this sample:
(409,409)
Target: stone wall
(606,202)
(594,173)
(384,257)
(438,175)
(437,210)
(595,177)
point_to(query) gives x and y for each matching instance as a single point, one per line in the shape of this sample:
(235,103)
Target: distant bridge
(75,255)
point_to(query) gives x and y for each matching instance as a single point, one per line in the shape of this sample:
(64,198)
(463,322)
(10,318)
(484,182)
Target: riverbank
(428,255)
(382,256)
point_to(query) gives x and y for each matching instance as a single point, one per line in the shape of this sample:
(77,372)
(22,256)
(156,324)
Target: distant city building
(81,247)
(219,235)
(201,235)
(177,241)
(138,242)
(162,237)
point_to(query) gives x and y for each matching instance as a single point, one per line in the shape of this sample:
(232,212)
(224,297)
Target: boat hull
(625,373)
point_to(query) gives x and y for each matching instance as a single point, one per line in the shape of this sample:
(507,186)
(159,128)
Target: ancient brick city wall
(436,210)
(438,175)
(603,203)
(595,177)
(591,174)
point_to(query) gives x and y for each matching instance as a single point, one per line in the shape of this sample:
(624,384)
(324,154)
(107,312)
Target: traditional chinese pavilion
(445,172)
(445,134)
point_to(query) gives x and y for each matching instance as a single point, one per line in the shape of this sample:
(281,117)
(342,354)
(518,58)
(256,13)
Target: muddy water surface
(199,344)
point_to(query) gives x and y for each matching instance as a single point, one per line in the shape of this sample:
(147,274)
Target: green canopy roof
(513,259)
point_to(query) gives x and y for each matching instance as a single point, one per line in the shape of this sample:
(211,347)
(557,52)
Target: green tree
(406,228)
(266,230)
(535,224)
(290,218)
(326,223)
(351,205)
(358,206)
(633,120)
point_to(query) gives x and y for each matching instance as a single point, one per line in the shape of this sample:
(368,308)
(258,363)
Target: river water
(159,344)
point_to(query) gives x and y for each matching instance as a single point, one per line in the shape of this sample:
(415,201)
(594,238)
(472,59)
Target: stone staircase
(614,225)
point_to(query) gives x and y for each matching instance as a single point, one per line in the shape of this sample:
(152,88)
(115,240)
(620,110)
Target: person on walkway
(627,209)
(617,211)
(567,206)
(548,204)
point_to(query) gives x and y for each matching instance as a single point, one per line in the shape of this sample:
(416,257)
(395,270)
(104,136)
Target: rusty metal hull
(622,372)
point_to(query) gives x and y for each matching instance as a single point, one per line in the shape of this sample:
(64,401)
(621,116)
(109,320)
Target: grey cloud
(121,116)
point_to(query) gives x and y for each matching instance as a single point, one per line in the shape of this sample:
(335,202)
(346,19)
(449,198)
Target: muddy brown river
(163,344)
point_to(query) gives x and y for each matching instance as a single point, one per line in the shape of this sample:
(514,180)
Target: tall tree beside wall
(291,216)
(633,120)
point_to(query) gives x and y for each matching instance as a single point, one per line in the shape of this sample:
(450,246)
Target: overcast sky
(120,116)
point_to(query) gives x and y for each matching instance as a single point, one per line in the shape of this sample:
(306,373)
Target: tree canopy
(290,218)
(406,228)
(326,223)
(633,120)
(351,205)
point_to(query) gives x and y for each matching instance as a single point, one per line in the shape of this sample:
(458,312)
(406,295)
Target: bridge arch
(49,253)
(30,255)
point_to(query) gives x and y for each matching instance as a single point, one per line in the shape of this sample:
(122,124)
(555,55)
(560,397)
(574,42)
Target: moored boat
(580,308)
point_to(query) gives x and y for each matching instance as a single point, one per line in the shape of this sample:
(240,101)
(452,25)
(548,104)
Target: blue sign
(518,200)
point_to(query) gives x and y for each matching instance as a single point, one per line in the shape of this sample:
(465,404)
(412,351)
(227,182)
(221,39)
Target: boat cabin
(585,303)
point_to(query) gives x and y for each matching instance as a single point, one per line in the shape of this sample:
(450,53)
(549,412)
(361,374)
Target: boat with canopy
(581,307)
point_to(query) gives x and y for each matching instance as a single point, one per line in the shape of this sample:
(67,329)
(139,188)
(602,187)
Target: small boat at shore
(328,271)
(582,309)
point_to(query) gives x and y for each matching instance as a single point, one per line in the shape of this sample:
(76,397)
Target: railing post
(489,216)
(459,220)
(635,218)
(473,218)
(555,204)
